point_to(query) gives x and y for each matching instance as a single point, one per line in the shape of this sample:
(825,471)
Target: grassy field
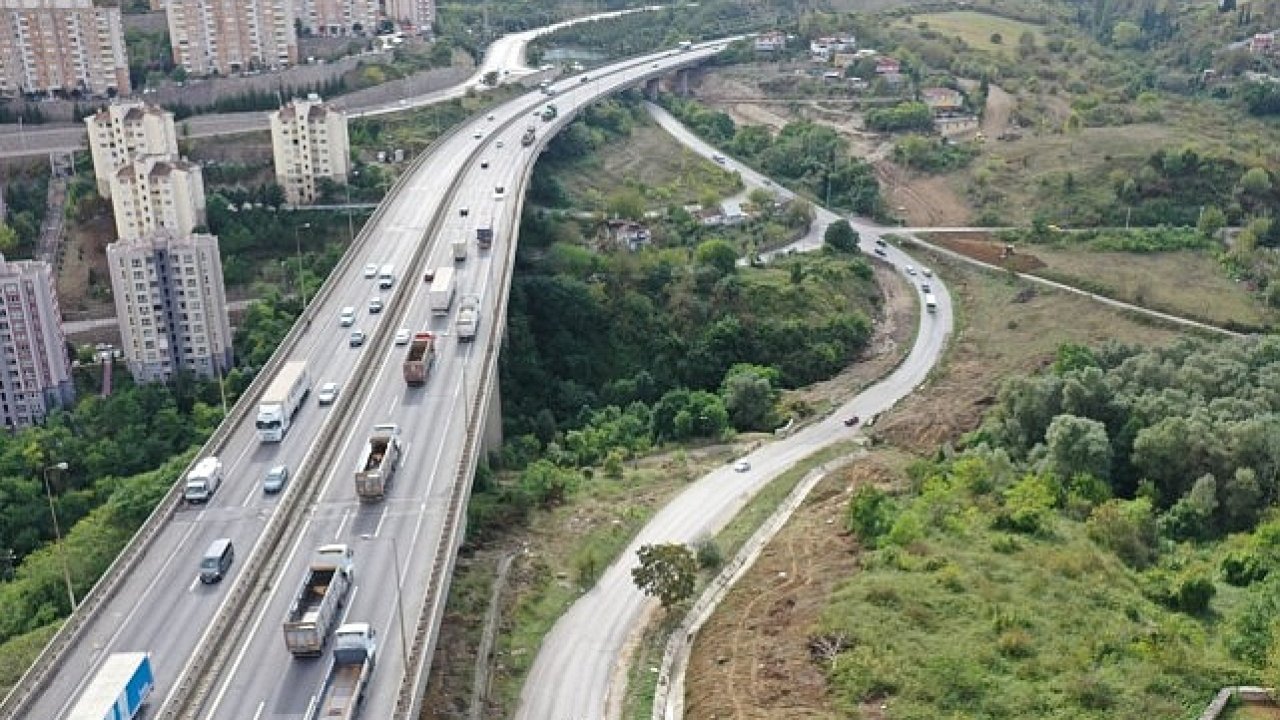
(1183,283)
(977,28)
(649,161)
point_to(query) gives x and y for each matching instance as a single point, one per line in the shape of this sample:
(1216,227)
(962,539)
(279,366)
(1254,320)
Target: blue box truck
(119,689)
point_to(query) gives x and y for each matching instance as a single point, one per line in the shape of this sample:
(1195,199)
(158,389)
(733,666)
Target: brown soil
(83,285)
(995,117)
(921,200)
(981,246)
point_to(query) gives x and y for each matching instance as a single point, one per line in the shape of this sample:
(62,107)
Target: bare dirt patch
(752,659)
(83,284)
(921,200)
(980,246)
(995,118)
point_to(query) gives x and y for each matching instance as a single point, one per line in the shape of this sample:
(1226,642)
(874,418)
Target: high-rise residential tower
(309,142)
(122,131)
(152,192)
(35,374)
(62,47)
(171,305)
(226,37)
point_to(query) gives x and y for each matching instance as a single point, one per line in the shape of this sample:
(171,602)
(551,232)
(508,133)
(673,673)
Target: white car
(370,269)
(348,316)
(741,466)
(927,272)
(911,270)
(499,143)
(402,336)
(328,393)
(375,305)
(499,192)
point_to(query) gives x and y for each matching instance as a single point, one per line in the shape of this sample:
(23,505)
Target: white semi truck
(282,399)
(318,603)
(119,689)
(378,463)
(354,652)
(443,287)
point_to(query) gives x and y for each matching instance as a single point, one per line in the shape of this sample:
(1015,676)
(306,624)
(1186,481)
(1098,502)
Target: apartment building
(171,305)
(309,142)
(154,192)
(122,131)
(35,373)
(337,18)
(226,37)
(414,17)
(61,48)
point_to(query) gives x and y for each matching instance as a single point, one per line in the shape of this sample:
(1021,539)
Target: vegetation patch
(979,30)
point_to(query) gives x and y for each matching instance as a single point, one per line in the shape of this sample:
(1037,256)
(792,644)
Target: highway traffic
(163,608)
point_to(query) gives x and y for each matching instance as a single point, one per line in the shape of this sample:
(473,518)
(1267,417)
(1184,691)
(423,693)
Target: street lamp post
(297,244)
(351,228)
(404,639)
(57,533)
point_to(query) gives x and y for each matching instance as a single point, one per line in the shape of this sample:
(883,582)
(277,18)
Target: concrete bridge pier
(652,87)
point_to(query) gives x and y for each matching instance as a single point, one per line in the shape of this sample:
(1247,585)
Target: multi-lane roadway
(161,607)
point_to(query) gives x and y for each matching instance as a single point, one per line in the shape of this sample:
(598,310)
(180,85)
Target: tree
(1211,221)
(1077,445)
(841,237)
(1126,528)
(8,239)
(1255,182)
(749,396)
(717,254)
(668,571)
(871,514)
(1125,34)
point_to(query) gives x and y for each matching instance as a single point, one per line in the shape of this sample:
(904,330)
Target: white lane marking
(253,490)
(253,633)
(261,704)
(194,581)
(178,547)
(351,601)
(345,514)
(382,517)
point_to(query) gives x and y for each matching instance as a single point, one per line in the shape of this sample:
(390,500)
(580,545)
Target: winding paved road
(578,672)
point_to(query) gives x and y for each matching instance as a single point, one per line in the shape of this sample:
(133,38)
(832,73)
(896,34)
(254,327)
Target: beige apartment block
(156,193)
(414,17)
(35,374)
(171,305)
(66,48)
(225,37)
(122,131)
(337,18)
(309,142)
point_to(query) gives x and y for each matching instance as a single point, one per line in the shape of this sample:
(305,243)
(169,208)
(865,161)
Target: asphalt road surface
(579,670)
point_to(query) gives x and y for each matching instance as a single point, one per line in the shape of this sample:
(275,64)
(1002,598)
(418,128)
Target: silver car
(328,393)
(275,480)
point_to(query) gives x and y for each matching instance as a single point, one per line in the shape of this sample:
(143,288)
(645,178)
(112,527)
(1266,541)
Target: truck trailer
(419,359)
(353,659)
(443,288)
(203,480)
(318,603)
(378,463)
(459,250)
(281,400)
(118,691)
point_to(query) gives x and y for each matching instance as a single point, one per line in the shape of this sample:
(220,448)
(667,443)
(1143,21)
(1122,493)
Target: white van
(386,277)
(203,480)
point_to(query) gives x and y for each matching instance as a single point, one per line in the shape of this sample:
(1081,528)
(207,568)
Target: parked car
(328,393)
(276,478)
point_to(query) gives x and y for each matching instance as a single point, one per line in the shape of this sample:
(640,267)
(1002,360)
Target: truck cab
(203,480)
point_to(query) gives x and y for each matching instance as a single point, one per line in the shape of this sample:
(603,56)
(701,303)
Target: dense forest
(1104,545)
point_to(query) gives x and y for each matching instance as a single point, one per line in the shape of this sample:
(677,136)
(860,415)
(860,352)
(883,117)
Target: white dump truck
(203,480)
(353,659)
(281,400)
(317,605)
(378,463)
